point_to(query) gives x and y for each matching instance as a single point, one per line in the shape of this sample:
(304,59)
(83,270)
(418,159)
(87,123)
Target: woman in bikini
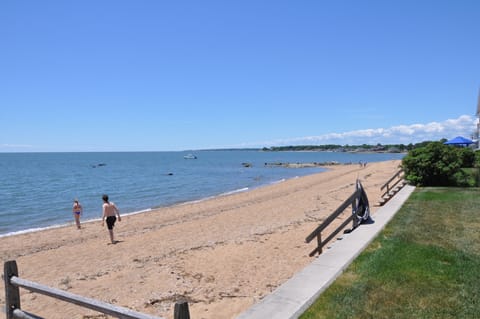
(77,211)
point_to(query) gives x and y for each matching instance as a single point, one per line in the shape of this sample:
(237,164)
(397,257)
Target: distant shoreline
(389,148)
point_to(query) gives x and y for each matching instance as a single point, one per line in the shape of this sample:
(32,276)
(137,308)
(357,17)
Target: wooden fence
(360,212)
(14,311)
(392,186)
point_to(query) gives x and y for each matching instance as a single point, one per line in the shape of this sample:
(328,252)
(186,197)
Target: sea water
(37,189)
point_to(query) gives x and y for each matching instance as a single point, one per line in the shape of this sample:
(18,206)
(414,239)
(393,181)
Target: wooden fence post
(181,310)
(319,243)
(12,292)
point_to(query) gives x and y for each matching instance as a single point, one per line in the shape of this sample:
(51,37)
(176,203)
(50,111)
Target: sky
(147,75)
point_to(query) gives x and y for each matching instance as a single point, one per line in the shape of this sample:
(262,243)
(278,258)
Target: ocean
(37,189)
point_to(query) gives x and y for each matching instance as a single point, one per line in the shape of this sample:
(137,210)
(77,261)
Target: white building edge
(477,133)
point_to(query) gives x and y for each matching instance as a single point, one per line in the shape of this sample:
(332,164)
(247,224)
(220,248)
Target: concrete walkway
(291,299)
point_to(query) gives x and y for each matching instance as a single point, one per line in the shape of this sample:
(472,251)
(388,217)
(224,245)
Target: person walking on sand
(109,211)
(77,210)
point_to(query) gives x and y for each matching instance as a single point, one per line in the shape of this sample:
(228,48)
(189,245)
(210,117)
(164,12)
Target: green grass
(425,264)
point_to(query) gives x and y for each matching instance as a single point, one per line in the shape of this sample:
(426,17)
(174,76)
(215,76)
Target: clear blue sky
(178,75)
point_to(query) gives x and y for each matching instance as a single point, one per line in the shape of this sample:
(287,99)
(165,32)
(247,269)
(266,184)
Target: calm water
(37,189)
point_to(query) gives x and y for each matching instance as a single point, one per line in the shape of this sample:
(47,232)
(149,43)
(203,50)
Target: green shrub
(477,158)
(436,164)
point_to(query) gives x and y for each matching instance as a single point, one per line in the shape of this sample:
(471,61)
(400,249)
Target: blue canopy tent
(459,141)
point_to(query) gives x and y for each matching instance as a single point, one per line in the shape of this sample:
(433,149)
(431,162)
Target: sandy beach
(222,255)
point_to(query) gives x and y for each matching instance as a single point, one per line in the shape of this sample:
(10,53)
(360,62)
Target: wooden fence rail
(14,311)
(399,176)
(360,212)
(392,186)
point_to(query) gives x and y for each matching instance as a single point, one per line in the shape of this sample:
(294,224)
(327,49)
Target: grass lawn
(425,264)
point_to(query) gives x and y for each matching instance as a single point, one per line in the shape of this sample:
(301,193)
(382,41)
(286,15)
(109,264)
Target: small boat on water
(190,156)
(98,165)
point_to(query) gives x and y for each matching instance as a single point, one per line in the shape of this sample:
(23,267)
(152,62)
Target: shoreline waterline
(147,210)
(37,190)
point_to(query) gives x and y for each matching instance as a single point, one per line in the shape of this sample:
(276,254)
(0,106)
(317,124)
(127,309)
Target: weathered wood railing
(394,184)
(14,311)
(360,212)
(399,176)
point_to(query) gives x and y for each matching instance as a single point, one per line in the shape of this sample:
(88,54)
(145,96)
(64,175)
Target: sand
(222,255)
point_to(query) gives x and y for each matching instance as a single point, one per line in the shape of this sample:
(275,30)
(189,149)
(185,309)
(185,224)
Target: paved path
(292,298)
